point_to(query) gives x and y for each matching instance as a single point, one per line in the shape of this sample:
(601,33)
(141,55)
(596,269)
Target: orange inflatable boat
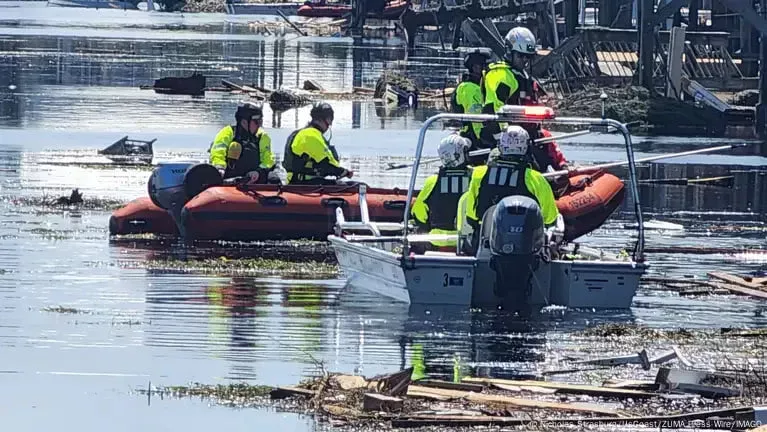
(274,212)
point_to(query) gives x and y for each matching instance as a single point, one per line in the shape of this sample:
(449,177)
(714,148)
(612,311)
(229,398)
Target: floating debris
(397,401)
(64,310)
(74,200)
(254,266)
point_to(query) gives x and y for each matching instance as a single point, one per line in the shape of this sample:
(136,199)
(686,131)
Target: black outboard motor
(517,240)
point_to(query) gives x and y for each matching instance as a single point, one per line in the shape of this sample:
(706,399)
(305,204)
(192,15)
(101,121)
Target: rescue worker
(435,207)
(508,82)
(506,173)
(309,157)
(468,99)
(244,149)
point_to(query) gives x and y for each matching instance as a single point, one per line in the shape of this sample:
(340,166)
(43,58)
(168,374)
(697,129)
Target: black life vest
(443,200)
(296,164)
(503,178)
(527,92)
(250,158)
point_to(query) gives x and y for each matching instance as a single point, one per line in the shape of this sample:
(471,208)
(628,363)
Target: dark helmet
(249,111)
(476,58)
(322,111)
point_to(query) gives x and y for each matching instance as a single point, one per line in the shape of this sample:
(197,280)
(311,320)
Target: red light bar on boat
(521,112)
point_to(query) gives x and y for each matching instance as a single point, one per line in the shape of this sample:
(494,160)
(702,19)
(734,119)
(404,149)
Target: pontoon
(509,267)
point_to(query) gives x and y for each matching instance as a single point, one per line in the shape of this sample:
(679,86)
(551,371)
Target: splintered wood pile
(346,399)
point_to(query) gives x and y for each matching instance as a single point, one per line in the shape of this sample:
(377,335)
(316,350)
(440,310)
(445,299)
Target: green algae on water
(241,392)
(63,310)
(225,265)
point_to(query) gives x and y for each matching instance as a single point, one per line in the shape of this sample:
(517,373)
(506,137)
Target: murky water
(67,91)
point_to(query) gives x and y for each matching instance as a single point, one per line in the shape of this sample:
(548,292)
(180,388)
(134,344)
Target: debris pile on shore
(682,390)
(625,104)
(206,6)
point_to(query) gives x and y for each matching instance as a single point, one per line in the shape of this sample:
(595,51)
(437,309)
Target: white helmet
(514,141)
(453,150)
(520,39)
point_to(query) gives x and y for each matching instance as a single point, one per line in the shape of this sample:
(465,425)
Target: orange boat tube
(273,212)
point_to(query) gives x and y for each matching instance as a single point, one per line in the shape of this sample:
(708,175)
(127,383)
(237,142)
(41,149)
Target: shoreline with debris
(677,384)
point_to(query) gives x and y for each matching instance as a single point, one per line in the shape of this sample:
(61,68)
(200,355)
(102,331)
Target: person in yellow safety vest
(244,149)
(507,82)
(468,99)
(309,157)
(507,173)
(435,207)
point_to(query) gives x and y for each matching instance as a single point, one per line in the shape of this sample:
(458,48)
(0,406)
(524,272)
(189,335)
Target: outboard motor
(517,238)
(173,184)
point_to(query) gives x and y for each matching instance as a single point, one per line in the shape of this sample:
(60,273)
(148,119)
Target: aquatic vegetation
(619,330)
(64,310)
(223,265)
(52,202)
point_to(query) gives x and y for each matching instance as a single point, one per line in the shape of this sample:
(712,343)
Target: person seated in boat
(309,157)
(467,98)
(244,149)
(434,210)
(508,82)
(507,173)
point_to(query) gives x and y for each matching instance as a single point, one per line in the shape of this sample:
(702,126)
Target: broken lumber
(690,382)
(290,391)
(568,388)
(741,290)
(639,358)
(632,384)
(519,389)
(506,400)
(378,402)
(656,421)
(736,280)
(451,385)
(395,384)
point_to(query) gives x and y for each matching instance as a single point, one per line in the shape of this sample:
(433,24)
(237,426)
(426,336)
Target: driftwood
(650,421)
(567,388)
(521,403)
(290,391)
(377,402)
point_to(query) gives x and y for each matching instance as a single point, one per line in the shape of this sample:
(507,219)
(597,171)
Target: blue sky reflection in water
(64,95)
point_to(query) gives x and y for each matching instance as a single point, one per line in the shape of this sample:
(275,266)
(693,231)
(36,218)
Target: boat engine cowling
(173,184)
(517,238)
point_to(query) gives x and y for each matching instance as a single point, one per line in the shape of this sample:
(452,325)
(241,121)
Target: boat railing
(532,114)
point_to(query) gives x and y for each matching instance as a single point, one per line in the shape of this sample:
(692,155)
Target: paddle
(723,181)
(586,169)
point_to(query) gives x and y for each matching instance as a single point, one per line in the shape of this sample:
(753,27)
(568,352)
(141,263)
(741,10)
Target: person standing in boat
(468,99)
(507,173)
(434,210)
(244,149)
(309,157)
(508,82)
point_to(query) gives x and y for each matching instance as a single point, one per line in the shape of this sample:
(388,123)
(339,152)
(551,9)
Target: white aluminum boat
(577,276)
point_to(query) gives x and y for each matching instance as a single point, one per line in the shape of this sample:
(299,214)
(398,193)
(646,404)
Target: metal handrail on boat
(531,114)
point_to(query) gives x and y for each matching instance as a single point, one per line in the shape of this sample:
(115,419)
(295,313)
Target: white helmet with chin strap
(521,40)
(514,141)
(453,150)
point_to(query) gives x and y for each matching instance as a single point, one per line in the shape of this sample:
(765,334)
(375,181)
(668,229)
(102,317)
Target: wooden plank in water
(737,280)
(440,394)
(568,388)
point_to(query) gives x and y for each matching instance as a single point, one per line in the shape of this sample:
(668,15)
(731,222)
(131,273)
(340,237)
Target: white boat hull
(445,279)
